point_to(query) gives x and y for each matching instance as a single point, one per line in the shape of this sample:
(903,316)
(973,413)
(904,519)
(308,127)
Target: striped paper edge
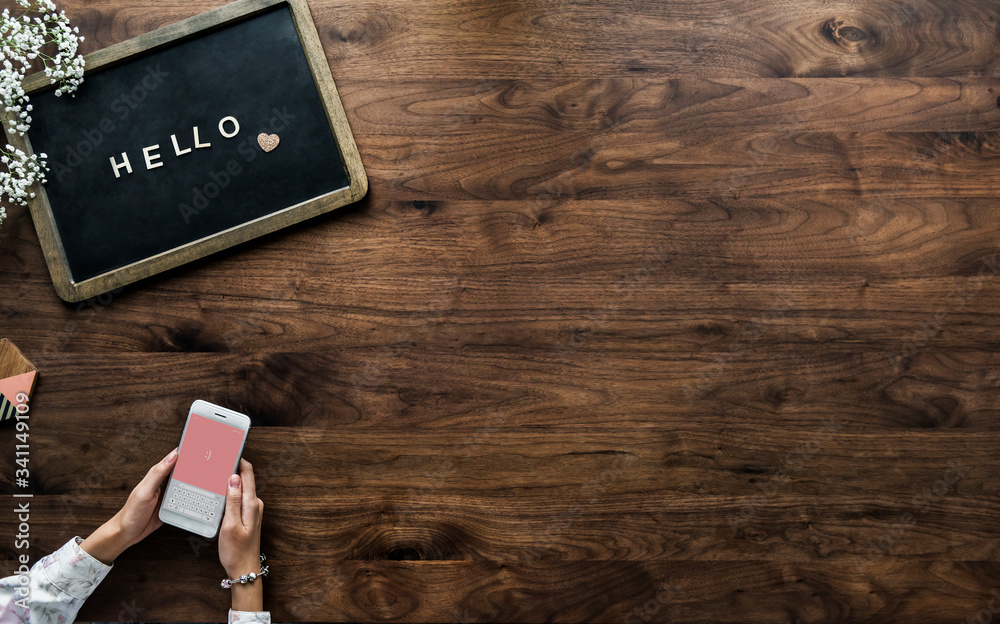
(7,409)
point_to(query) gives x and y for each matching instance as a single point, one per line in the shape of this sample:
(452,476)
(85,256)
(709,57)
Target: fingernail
(172,456)
(234,481)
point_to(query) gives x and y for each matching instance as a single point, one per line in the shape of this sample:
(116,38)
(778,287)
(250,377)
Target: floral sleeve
(249,617)
(57,586)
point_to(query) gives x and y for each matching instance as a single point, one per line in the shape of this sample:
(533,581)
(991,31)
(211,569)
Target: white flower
(21,40)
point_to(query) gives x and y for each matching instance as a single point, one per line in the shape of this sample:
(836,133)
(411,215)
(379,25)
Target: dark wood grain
(731,38)
(655,312)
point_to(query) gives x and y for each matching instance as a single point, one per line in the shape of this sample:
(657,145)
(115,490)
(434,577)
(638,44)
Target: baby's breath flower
(22,39)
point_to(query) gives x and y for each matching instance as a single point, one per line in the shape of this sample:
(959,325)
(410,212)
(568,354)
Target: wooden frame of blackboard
(41,210)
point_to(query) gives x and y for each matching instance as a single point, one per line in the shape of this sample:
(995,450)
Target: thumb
(234,498)
(157,474)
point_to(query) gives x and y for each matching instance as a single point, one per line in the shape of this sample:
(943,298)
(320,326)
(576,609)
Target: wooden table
(656,311)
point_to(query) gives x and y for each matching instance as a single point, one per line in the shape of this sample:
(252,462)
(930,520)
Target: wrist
(107,542)
(236,570)
(249,597)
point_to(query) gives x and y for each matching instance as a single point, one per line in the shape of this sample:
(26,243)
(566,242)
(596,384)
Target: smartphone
(209,453)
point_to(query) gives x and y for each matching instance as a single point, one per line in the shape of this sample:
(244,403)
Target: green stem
(32,9)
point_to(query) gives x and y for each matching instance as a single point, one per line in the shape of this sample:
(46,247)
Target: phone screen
(208,454)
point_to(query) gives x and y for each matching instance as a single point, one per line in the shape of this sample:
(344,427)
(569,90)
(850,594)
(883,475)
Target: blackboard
(156,160)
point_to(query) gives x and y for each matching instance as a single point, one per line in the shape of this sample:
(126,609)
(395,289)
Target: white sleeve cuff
(249,617)
(73,570)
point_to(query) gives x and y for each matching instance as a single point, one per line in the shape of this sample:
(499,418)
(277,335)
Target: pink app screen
(208,454)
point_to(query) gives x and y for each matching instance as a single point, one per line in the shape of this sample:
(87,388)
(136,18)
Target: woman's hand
(136,519)
(239,538)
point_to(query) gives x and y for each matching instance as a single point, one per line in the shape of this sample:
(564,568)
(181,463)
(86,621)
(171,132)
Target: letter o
(222,129)
(23,527)
(984,616)
(211,190)
(652,607)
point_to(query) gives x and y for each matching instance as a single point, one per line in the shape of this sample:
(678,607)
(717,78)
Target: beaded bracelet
(247,578)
